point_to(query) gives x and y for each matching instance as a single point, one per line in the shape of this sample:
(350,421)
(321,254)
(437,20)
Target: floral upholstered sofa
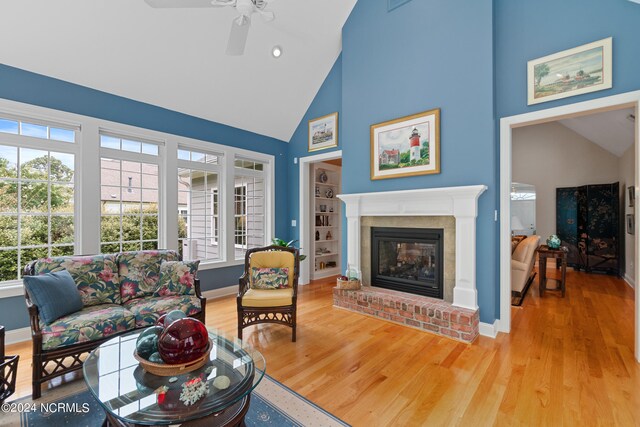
(120,292)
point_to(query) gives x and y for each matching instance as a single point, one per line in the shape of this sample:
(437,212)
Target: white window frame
(87,152)
(264,175)
(123,155)
(44,144)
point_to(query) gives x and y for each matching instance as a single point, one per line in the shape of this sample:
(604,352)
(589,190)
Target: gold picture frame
(323,132)
(407,146)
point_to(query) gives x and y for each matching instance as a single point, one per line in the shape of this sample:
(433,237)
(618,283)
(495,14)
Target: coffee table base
(233,416)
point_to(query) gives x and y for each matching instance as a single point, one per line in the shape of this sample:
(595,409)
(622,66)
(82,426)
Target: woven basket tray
(348,284)
(164,370)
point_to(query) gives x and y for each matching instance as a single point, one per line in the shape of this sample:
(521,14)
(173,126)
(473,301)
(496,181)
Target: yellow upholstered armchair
(269,288)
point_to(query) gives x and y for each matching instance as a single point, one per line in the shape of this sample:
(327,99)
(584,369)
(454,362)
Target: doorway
(306,197)
(507,125)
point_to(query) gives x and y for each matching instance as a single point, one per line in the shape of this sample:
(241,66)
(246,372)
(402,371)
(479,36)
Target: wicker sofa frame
(69,358)
(284,315)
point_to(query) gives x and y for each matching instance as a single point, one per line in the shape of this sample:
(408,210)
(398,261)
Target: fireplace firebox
(408,260)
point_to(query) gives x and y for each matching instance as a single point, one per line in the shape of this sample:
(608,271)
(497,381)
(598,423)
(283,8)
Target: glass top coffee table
(131,396)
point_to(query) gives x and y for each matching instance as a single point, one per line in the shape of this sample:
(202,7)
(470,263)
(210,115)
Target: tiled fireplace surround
(456,316)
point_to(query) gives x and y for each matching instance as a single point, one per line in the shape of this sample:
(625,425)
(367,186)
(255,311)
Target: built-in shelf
(326,177)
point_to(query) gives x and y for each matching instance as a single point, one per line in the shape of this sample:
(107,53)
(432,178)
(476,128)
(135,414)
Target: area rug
(272,404)
(516,300)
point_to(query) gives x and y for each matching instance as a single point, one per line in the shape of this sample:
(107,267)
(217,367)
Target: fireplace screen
(408,260)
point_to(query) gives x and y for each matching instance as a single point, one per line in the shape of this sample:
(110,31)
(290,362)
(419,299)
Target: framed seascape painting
(571,72)
(323,132)
(406,146)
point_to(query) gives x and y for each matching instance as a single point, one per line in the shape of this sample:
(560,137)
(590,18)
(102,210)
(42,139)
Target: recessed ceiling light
(276,51)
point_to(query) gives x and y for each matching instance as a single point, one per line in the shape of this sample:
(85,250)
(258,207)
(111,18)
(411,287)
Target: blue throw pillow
(55,294)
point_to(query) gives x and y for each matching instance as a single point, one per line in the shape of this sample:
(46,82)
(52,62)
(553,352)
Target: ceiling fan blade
(238,36)
(267,15)
(163,4)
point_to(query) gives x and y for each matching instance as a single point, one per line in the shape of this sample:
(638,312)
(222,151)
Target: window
(129,196)
(198,194)
(249,206)
(42,131)
(72,184)
(36,207)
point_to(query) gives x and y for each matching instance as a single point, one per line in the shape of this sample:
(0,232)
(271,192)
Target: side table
(560,255)
(8,370)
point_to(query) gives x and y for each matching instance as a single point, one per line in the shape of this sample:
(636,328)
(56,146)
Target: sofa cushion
(267,298)
(96,276)
(139,272)
(89,324)
(55,294)
(273,259)
(147,310)
(177,278)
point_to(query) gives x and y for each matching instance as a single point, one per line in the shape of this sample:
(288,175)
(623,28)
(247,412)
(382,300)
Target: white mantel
(460,202)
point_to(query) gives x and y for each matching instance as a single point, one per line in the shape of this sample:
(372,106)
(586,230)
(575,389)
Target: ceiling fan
(239,26)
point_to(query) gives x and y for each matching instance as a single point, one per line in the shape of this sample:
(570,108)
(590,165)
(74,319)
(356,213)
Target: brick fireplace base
(420,312)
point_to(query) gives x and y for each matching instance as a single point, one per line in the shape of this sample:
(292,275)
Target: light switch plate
(293,223)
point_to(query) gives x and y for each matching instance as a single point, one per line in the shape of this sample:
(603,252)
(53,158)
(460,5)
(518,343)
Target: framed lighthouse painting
(406,146)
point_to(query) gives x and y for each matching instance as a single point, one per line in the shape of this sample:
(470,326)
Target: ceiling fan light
(276,52)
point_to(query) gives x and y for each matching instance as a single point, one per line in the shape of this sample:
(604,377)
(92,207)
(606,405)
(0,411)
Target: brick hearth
(420,312)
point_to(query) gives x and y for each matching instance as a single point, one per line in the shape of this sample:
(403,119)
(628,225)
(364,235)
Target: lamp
(516,224)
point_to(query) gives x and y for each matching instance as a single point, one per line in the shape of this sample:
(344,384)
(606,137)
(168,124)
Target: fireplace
(408,260)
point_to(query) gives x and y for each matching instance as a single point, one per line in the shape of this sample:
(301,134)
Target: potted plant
(280,242)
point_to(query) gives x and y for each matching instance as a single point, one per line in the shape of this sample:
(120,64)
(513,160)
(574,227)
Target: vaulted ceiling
(175,58)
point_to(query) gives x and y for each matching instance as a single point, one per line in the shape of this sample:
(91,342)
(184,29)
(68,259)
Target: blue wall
(328,100)
(527,30)
(22,86)
(426,54)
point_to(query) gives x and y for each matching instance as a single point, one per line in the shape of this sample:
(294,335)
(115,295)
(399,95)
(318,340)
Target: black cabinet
(587,222)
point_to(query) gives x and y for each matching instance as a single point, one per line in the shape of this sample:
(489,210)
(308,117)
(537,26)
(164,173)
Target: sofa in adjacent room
(119,292)
(523,259)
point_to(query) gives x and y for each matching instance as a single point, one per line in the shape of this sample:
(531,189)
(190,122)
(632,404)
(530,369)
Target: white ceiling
(611,130)
(174,58)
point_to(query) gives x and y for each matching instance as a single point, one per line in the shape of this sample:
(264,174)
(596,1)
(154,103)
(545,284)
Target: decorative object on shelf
(317,235)
(193,390)
(576,71)
(331,209)
(329,236)
(323,132)
(631,224)
(406,146)
(322,265)
(222,382)
(632,196)
(323,177)
(290,244)
(329,193)
(323,208)
(331,264)
(183,341)
(554,242)
(317,191)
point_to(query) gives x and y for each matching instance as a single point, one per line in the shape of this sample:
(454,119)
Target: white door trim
(305,201)
(625,100)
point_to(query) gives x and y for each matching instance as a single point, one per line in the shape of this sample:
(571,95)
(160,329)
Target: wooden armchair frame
(284,315)
(69,358)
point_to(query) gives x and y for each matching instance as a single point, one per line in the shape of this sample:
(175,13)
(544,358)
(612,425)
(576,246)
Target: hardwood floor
(568,361)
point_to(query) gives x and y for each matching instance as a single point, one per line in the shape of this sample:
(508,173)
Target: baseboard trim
(220,292)
(15,336)
(629,281)
(489,329)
